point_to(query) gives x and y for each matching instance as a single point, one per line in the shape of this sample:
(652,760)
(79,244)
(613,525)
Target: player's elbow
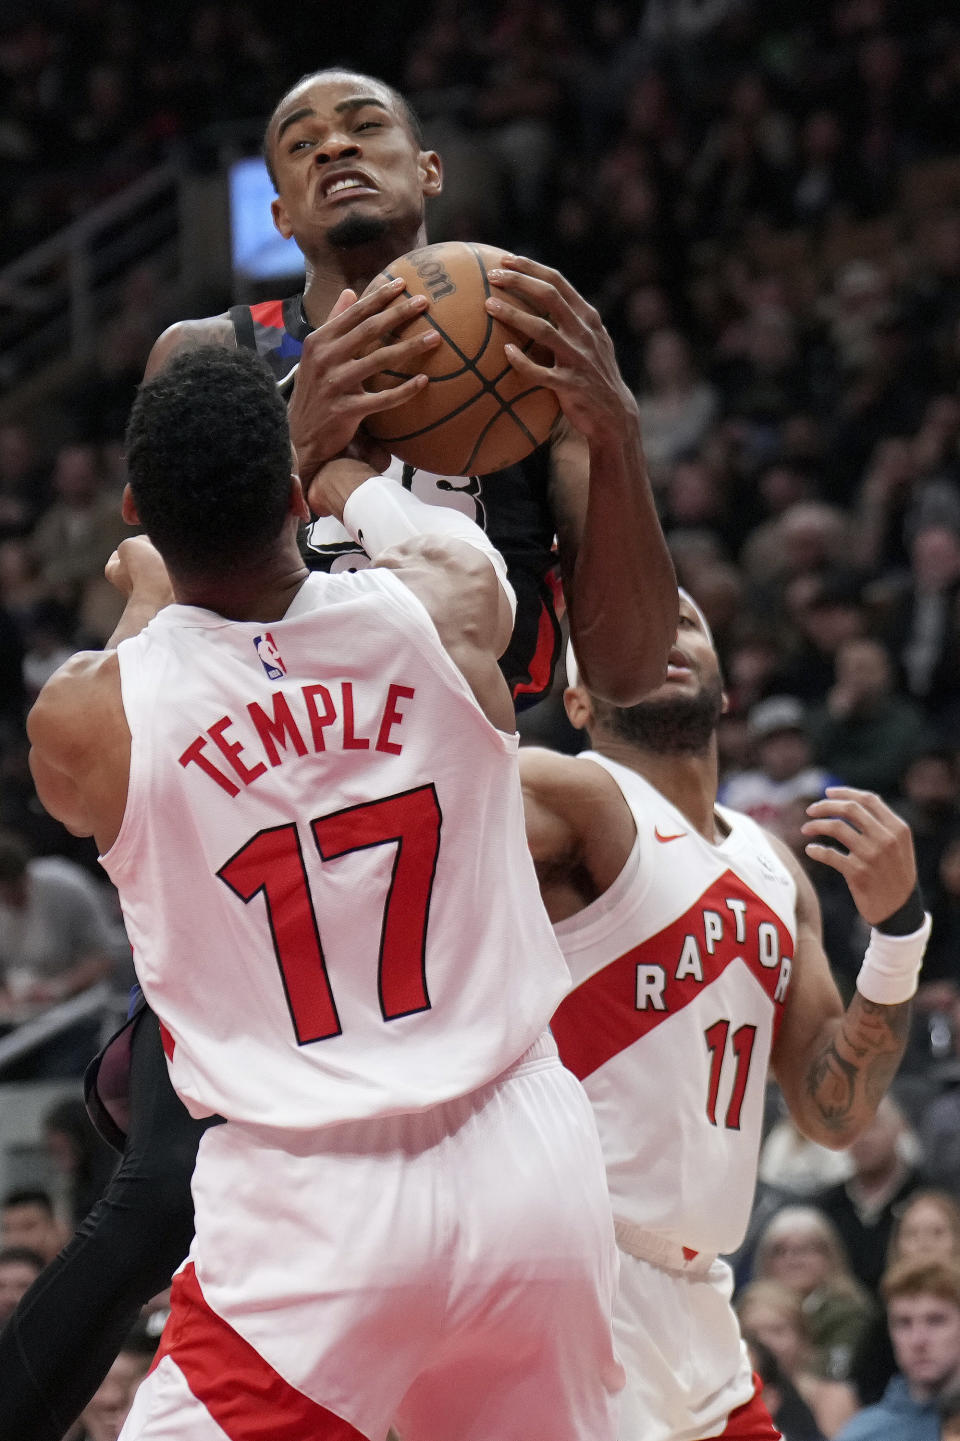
(623,678)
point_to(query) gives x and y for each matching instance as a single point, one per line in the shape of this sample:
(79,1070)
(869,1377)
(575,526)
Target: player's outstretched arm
(835,1066)
(618,578)
(76,726)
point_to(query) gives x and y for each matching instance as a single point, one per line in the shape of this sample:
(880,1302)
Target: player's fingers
(399,356)
(343,319)
(872,803)
(372,401)
(534,327)
(343,302)
(827,856)
(854,812)
(864,845)
(555,378)
(541,295)
(523,265)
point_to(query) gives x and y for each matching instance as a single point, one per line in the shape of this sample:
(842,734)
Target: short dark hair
(27,1197)
(21,1256)
(405,110)
(922,1278)
(209,460)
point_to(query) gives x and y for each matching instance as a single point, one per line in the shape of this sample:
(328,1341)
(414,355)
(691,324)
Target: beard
(357,230)
(672,725)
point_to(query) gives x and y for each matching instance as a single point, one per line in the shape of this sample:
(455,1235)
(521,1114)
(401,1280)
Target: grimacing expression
(346,163)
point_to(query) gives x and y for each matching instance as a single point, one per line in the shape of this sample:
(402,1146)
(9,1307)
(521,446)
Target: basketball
(476,415)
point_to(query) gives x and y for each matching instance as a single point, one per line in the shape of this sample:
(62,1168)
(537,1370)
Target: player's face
(692,663)
(348,168)
(680,716)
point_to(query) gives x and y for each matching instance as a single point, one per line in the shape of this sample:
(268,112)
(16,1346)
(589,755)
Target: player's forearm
(138,612)
(850,1068)
(621,589)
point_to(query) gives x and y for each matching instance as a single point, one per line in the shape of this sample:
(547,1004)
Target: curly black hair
(209,460)
(405,110)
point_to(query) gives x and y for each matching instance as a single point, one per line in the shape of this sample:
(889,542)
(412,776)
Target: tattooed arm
(834,1066)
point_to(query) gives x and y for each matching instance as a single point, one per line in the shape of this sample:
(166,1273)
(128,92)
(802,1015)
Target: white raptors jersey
(322,862)
(680,974)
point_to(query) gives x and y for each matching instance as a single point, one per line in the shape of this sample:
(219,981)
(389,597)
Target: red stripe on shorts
(242,1392)
(751,1422)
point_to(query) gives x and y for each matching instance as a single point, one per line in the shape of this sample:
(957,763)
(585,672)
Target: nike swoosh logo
(663,839)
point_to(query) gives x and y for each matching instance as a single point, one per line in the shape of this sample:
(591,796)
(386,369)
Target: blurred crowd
(763,201)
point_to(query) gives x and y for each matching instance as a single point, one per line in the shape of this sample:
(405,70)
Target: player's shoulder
(70,705)
(189,335)
(544,770)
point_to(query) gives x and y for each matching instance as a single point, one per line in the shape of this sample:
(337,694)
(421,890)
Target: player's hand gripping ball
(476,414)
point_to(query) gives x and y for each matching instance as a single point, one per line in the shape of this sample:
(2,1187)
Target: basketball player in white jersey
(306,790)
(694,941)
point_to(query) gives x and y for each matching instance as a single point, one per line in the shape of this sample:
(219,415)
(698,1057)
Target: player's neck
(263,594)
(330,273)
(688,782)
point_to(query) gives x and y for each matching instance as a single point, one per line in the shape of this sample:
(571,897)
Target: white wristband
(891,966)
(381,513)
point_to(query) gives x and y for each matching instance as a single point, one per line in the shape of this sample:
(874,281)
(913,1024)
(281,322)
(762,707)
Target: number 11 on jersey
(741,1043)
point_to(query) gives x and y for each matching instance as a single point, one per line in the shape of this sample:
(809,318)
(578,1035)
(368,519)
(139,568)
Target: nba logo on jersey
(266,649)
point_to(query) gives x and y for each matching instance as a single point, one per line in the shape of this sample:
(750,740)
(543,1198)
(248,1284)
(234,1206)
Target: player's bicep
(551,832)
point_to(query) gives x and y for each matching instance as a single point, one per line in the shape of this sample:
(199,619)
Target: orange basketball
(476,415)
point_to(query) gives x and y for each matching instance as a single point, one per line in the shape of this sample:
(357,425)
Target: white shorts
(679,1341)
(451,1272)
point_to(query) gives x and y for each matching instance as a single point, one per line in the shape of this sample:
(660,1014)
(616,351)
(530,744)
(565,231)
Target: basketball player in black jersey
(352,179)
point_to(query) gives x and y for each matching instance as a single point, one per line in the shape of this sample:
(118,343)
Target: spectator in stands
(824,610)
(106,1411)
(19,1268)
(864,1208)
(789,1411)
(22,491)
(677,406)
(924,628)
(79,1154)
(76,537)
(802,1250)
(923,1315)
(772,1314)
(56,935)
(784,771)
(866,732)
(926,1229)
(27,1219)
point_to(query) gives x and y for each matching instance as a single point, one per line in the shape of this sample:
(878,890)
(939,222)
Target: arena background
(763,201)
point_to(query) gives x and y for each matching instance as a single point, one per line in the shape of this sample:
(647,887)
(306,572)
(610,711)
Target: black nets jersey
(511,505)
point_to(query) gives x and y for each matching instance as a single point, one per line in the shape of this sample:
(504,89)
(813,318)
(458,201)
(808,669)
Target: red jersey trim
(268,312)
(236,1385)
(166,1041)
(541,663)
(602,1017)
